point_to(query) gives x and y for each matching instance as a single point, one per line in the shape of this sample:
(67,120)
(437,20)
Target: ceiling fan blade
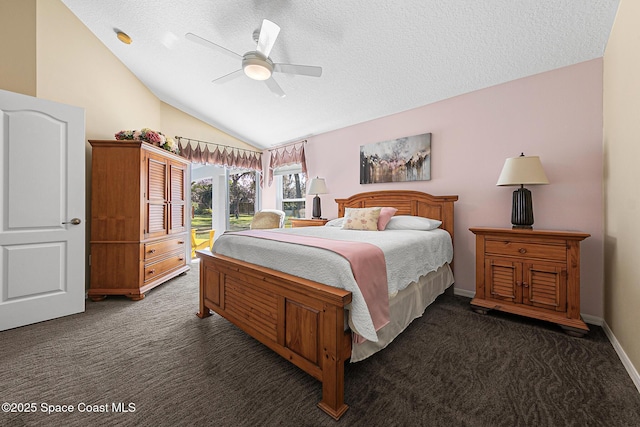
(303,70)
(228,77)
(275,88)
(211,45)
(268,35)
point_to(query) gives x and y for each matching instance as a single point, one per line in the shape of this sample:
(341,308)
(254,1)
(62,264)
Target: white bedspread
(409,254)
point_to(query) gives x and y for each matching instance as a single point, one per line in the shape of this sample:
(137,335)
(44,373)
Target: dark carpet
(452,367)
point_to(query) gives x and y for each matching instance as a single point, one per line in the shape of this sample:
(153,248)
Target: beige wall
(57,58)
(178,123)
(18,46)
(74,67)
(622,179)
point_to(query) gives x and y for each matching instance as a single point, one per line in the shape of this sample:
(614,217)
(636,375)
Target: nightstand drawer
(555,252)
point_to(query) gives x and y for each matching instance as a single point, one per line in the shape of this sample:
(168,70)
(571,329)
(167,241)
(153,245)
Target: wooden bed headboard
(407,202)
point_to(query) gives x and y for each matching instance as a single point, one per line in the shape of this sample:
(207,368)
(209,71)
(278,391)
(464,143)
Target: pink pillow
(385,215)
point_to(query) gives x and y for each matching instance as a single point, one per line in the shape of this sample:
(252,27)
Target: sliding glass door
(243,198)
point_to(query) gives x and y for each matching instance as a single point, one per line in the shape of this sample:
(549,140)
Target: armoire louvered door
(177,198)
(156,199)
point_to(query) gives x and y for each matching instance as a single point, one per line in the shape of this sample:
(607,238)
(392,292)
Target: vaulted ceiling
(378,57)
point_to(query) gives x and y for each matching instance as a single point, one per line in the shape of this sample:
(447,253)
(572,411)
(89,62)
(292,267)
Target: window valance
(285,155)
(198,151)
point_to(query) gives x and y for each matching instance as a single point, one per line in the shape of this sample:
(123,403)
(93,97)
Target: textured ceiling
(378,57)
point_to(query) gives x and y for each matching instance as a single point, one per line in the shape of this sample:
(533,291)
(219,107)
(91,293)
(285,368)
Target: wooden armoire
(138,218)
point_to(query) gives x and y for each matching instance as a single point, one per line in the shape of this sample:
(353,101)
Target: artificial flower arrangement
(150,136)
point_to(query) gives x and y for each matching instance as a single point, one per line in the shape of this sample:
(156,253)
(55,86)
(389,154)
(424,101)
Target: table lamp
(520,171)
(317,186)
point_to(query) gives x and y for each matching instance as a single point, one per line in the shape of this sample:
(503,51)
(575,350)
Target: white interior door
(42,215)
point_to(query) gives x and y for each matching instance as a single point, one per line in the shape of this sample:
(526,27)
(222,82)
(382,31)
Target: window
(243,196)
(292,185)
(202,206)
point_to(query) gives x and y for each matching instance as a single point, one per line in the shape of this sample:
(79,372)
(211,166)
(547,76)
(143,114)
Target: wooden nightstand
(534,273)
(307,222)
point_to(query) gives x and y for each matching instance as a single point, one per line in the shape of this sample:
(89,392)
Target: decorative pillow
(409,222)
(385,215)
(337,222)
(361,219)
(264,220)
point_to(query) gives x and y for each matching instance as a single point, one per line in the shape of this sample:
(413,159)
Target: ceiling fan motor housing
(257,66)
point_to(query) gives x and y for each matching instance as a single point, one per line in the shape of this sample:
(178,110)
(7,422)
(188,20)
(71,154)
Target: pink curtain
(199,152)
(287,155)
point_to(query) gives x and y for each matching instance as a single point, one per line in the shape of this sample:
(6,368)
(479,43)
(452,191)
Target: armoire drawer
(163,247)
(157,269)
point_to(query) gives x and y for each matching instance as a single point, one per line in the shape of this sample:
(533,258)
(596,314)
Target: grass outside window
(202,224)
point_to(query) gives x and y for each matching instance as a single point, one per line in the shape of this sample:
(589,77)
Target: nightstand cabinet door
(534,273)
(503,280)
(545,286)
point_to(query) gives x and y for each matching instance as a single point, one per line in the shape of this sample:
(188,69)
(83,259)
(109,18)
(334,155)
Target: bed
(307,322)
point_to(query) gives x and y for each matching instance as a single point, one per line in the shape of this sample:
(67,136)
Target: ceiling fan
(256,64)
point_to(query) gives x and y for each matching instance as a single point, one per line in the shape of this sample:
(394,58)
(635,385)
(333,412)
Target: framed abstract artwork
(399,160)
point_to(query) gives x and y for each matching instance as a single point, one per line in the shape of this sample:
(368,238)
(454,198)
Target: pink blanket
(367,264)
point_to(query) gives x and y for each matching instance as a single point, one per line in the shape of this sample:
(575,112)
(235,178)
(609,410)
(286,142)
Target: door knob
(74,221)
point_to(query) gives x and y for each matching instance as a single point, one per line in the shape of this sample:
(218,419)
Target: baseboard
(592,320)
(463,292)
(631,370)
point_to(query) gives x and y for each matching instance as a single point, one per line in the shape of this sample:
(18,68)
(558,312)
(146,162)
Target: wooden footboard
(301,320)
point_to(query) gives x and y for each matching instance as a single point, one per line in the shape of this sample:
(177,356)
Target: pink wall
(555,115)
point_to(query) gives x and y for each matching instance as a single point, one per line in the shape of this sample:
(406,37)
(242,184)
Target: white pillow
(335,222)
(409,222)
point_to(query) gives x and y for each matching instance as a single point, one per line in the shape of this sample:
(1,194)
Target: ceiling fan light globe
(257,67)
(257,72)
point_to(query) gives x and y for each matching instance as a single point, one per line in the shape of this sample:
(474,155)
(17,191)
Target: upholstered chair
(268,218)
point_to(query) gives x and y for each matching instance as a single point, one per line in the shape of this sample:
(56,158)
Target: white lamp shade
(522,170)
(317,186)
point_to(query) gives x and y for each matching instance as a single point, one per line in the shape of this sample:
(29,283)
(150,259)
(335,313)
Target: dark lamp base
(317,211)
(522,209)
(522,227)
